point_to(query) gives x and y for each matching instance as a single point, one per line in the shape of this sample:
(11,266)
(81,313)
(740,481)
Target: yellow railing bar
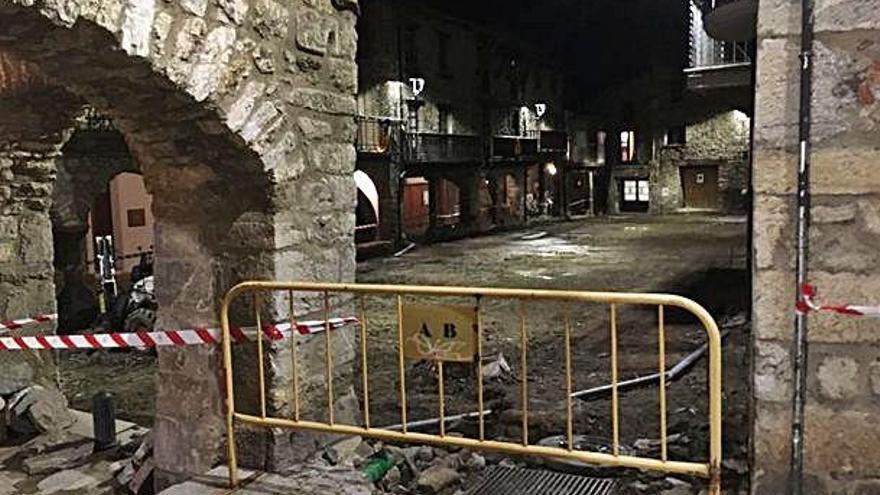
(401,364)
(662,353)
(480,406)
(524,367)
(294,361)
(328,359)
(258,303)
(364,367)
(710,469)
(615,396)
(569,419)
(442,398)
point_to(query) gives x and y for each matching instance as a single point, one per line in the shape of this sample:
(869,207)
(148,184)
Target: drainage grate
(515,481)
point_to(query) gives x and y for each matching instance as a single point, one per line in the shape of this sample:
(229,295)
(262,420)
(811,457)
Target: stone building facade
(442,154)
(709,171)
(841,454)
(240,116)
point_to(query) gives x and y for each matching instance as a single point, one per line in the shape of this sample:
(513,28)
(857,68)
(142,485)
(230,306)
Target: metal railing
(376,135)
(513,147)
(469,318)
(706,51)
(424,147)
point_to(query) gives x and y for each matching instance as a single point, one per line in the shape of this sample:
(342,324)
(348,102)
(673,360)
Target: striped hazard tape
(33,320)
(163,338)
(808,304)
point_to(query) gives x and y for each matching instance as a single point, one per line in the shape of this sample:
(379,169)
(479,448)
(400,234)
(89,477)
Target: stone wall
(721,140)
(240,115)
(482,66)
(842,407)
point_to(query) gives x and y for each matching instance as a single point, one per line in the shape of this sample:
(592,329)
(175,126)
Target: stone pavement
(64,462)
(312,478)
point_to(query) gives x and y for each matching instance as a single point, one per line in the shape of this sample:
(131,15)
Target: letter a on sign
(439,333)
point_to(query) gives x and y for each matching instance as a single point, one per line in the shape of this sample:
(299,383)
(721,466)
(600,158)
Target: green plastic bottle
(378,466)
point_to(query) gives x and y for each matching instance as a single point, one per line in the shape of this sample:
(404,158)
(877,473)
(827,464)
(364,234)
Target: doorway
(700,187)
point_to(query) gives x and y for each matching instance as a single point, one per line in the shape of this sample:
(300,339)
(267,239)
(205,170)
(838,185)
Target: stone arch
(240,115)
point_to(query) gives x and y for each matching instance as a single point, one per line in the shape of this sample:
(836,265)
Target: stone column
(841,455)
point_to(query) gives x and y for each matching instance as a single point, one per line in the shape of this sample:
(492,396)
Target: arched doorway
(221,154)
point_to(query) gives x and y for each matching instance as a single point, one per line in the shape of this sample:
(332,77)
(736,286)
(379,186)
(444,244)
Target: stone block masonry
(210,98)
(842,401)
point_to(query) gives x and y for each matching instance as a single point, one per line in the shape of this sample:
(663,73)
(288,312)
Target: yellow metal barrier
(709,470)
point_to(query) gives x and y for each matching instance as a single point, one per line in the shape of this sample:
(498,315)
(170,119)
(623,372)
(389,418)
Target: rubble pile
(32,410)
(407,470)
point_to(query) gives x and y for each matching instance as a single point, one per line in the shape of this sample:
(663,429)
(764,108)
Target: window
(676,135)
(600,147)
(636,191)
(627,146)
(443,40)
(137,217)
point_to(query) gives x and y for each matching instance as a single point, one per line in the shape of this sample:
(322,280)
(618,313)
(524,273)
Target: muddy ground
(696,256)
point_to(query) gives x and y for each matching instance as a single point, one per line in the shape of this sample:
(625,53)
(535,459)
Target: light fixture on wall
(550,168)
(417,84)
(540,109)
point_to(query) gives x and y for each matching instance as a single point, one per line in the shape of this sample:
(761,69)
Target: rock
(49,412)
(678,490)
(144,450)
(474,461)
(343,451)
(391,480)
(58,460)
(141,476)
(66,481)
(436,478)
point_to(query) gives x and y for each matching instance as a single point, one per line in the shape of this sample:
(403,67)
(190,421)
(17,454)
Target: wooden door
(700,186)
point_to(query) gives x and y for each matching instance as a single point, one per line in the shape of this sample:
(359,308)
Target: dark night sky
(601,42)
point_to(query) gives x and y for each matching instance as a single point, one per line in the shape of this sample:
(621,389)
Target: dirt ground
(701,257)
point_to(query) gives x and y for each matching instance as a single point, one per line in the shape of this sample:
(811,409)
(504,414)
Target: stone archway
(240,116)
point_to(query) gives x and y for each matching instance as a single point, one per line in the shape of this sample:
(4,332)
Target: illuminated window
(600,148)
(627,146)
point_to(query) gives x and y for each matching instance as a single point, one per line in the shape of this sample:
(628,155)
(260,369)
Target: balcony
(375,136)
(424,147)
(552,142)
(730,20)
(513,147)
(715,64)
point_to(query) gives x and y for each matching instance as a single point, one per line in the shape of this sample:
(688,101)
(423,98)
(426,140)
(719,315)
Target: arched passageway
(227,148)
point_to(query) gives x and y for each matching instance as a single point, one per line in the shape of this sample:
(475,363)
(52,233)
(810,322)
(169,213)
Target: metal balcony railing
(512,147)
(706,51)
(376,135)
(552,142)
(424,147)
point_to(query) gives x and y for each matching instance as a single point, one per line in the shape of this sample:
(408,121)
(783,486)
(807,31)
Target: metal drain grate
(514,481)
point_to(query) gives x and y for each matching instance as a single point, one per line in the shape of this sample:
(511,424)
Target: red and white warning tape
(33,320)
(808,304)
(162,338)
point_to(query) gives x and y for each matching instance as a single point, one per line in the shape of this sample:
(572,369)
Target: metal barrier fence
(408,315)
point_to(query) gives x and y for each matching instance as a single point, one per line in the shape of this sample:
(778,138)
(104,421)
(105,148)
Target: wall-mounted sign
(417,84)
(439,332)
(540,109)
